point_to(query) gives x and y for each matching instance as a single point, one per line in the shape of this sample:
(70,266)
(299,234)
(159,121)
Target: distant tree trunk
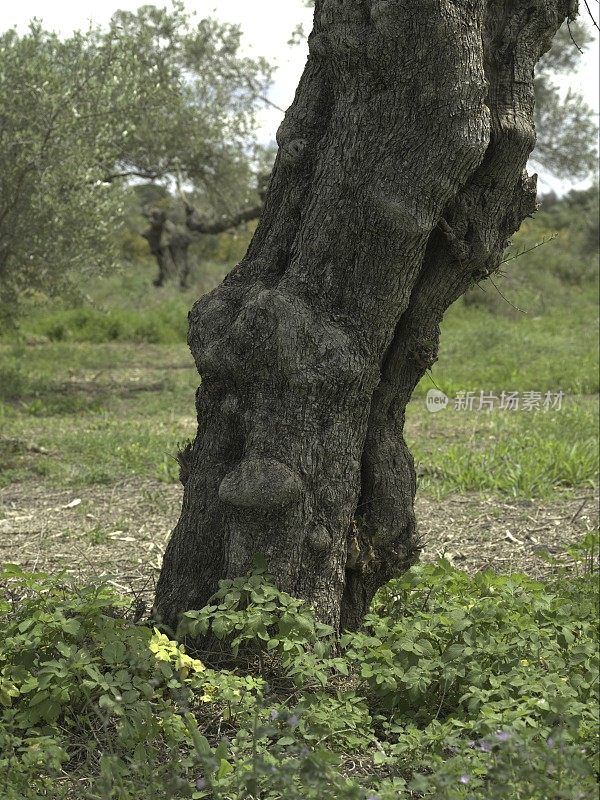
(399,180)
(169,244)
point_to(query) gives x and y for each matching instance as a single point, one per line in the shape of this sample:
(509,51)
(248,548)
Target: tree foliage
(154,95)
(566,129)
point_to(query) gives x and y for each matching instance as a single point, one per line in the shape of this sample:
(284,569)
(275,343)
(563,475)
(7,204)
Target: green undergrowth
(122,307)
(165,324)
(456,688)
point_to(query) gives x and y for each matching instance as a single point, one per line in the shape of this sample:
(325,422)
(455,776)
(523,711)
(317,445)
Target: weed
(97,535)
(457,688)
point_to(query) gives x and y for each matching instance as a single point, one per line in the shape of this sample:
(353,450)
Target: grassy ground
(80,413)
(77,409)
(499,349)
(105,391)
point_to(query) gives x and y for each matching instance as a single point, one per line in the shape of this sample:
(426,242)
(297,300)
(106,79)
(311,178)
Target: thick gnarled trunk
(399,178)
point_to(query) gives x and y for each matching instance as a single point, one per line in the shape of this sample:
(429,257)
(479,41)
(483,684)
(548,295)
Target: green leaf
(114,652)
(224,769)
(286,740)
(221,627)
(454,652)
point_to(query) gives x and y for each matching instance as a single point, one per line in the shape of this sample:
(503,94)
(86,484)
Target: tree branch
(133,173)
(196,223)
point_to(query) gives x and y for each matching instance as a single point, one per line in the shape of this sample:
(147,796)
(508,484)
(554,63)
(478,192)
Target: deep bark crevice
(398,182)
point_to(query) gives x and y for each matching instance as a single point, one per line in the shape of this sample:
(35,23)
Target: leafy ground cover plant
(457,687)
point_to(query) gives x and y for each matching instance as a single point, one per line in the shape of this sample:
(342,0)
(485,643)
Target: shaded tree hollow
(399,179)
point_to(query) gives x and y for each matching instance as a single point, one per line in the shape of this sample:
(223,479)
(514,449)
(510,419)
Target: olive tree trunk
(399,180)
(169,245)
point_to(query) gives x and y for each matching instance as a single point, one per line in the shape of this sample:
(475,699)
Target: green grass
(107,388)
(102,412)
(110,411)
(541,338)
(518,453)
(491,351)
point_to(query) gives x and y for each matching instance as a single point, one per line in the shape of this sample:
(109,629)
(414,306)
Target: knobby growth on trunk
(399,179)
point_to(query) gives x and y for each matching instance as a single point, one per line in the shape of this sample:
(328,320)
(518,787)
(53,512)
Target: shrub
(164,325)
(458,687)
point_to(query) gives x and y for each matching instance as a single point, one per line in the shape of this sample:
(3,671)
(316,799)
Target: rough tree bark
(399,180)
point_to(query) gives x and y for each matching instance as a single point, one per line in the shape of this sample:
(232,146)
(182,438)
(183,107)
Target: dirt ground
(118,533)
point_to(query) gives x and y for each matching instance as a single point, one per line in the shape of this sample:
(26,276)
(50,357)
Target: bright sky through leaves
(267,26)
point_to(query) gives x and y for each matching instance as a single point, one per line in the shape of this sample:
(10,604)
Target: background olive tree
(567,131)
(156,95)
